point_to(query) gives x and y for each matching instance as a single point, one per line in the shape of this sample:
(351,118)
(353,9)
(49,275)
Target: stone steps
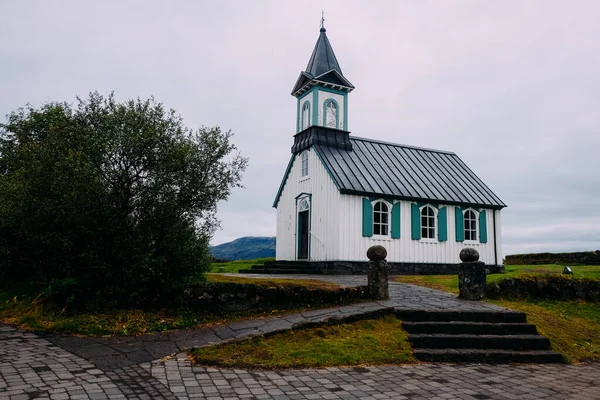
(466,327)
(277,271)
(474,341)
(496,356)
(475,336)
(465,316)
(282,267)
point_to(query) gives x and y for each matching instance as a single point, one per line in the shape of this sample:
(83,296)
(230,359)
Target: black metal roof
(322,59)
(322,135)
(399,171)
(376,168)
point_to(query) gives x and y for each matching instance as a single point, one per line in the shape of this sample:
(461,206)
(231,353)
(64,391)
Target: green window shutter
(367,230)
(442,225)
(415,222)
(459,224)
(482,226)
(396,221)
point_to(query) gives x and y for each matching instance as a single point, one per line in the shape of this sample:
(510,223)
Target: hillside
(245,248)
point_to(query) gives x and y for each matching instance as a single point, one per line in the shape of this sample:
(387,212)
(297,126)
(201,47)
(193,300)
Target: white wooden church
(341,194)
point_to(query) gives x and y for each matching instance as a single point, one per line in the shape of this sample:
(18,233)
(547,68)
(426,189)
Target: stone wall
(581,258)
(361,268)
(228,297)
(546,287)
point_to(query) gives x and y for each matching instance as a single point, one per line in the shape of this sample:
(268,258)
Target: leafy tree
(110,201)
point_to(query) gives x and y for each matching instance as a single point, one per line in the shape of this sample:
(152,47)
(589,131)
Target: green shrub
(112,203)
(61,292)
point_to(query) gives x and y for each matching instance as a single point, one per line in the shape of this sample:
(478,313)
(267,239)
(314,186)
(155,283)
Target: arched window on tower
(331,114)
(305,115)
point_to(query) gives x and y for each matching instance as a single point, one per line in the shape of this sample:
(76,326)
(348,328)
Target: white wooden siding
(353,246)
(336,225)
(324,214)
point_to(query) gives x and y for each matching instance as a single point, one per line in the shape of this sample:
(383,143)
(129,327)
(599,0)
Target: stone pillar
(471,275)
(378,273)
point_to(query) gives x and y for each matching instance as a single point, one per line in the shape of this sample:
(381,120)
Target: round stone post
(471,275)
(378,273)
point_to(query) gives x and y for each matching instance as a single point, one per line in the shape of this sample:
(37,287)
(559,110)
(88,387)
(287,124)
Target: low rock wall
(581,258)
(229,297)
(546,287)
(361,268)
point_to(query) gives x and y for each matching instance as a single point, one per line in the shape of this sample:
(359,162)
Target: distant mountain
(245,248)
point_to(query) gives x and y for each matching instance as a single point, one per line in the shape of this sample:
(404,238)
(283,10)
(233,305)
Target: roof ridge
(401,145)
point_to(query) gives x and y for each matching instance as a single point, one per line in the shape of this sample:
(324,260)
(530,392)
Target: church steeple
(323,58)
(322,89)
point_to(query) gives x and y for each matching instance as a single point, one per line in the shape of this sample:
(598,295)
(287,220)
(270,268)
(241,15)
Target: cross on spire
(322,19)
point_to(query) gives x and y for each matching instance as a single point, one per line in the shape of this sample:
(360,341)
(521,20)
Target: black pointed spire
(323,58)
(322,68)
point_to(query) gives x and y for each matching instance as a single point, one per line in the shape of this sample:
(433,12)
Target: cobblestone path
(414,382)
(34,368)
(60,367)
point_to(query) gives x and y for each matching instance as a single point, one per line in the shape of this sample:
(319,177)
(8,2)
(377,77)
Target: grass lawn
(19,306)
(266,282)
(236,266)
(572,326)
(369,342)
(449,283)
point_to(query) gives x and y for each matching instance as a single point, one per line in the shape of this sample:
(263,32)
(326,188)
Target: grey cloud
(511,87)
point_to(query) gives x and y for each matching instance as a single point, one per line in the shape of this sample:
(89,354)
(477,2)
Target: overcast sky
(513,87)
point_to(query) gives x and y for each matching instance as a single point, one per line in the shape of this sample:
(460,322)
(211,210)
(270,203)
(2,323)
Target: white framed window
(428,226)
(304,158)
(470,218)
(304,204)
(331,114)
(381,218)
(305,115)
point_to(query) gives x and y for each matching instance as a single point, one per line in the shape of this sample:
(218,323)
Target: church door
(303,219)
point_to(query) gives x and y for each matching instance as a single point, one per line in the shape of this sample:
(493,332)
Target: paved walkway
(414,382)
(57,367)
(116,352)
(34,368)
(402,295)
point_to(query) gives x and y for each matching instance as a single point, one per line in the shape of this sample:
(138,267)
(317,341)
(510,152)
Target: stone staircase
(475,336)
(283,267)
